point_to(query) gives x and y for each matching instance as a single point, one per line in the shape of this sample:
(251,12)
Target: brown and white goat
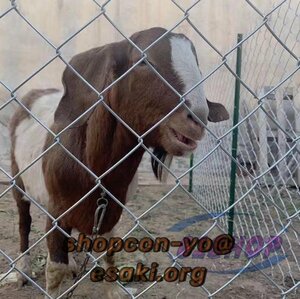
(98,139)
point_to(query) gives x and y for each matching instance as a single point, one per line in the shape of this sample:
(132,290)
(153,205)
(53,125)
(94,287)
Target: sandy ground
(175,207)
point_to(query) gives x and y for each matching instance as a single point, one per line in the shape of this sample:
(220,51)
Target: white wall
(22,51)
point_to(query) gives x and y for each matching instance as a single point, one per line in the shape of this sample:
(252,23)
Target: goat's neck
(108,141)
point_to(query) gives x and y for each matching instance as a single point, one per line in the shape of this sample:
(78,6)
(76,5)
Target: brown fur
(99,134)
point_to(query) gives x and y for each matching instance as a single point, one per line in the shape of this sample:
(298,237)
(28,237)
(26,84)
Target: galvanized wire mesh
(265,205)
(267,191)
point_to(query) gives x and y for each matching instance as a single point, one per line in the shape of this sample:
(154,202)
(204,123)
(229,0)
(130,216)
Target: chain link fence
(266,198)
(267,187)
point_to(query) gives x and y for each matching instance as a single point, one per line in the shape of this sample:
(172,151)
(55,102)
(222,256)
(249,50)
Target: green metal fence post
(191,173)
(235,135)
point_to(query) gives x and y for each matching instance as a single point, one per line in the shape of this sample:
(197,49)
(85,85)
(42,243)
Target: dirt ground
(174,208)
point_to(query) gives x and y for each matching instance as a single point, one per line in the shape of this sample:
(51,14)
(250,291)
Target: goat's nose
(202,114)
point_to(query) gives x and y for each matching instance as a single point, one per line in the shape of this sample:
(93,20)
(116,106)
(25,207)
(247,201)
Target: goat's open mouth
(191,144)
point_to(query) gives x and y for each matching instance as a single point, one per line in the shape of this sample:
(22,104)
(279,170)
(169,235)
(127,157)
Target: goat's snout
(198,106)
(199,113)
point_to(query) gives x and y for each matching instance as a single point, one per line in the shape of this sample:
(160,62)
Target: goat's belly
(30,140)
(33,178)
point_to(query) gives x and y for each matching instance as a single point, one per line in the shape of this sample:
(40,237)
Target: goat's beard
(161,171)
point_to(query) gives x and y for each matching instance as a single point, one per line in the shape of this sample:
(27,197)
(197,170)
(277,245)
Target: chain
(98,219)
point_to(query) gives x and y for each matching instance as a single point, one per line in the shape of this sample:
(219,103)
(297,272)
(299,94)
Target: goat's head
(174,57)
(142,98)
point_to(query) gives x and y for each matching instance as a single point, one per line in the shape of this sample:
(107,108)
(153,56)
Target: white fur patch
(165,173)
(30,140)
(73,267)
(185,65)
(132,187)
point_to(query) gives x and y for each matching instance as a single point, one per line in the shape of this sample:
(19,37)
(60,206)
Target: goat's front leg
(57,261)
(112,290)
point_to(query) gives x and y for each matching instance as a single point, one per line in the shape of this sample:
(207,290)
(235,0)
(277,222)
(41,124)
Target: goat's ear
(97,66)
(217,112)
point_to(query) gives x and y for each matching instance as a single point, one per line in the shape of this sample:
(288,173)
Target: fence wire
(266,68)
(267,197)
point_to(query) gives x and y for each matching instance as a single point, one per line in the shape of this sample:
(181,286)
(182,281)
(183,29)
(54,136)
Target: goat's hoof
(23,265)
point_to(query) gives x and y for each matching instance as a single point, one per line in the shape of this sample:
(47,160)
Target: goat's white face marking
(185,65)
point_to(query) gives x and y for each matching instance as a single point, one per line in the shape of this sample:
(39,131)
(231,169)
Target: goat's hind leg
(24,264)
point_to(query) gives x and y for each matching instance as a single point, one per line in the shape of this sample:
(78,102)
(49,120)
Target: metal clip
(101,208)
(99,213)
